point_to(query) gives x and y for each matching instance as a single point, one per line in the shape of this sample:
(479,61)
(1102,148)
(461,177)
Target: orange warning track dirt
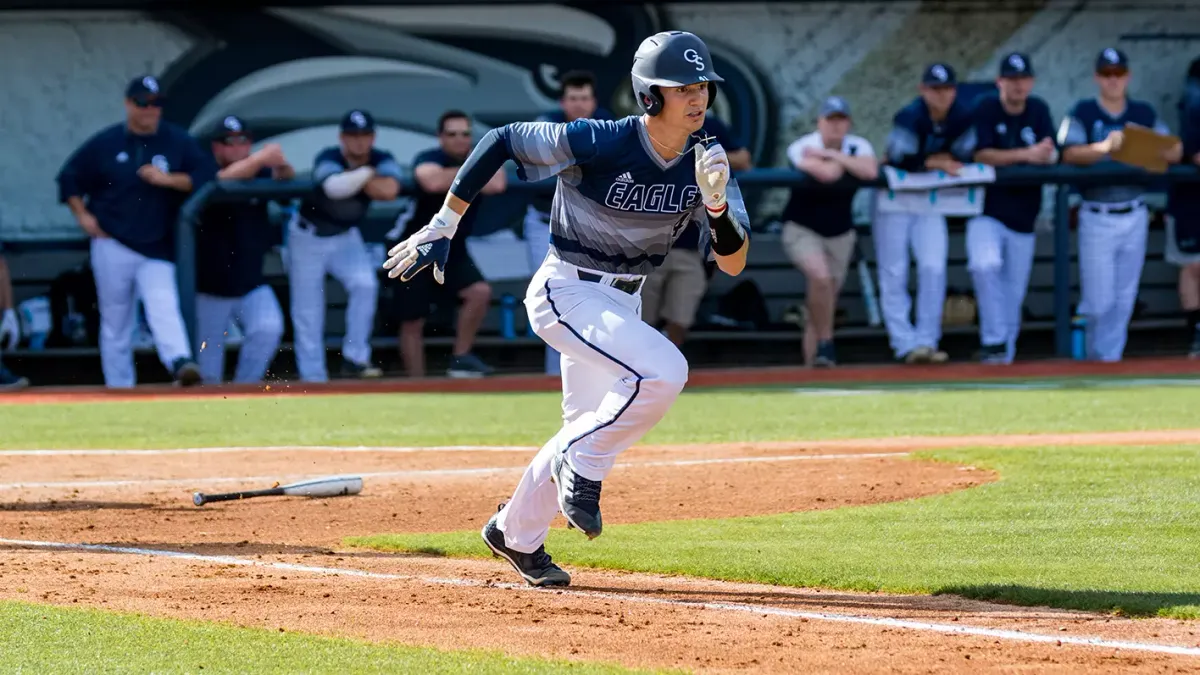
(633,619)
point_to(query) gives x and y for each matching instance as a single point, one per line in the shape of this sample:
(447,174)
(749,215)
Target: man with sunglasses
(323,238)
(434,171)
(231,242)
(124,186)
(1113,219)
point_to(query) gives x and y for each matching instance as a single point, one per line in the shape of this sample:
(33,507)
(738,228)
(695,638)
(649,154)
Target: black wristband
(727,237)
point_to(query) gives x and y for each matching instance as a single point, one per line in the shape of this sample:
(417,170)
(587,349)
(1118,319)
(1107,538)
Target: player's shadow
(1126,603)
(83,505)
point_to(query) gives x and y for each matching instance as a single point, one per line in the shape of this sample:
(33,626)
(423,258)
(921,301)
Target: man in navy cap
(124,186)
(1012,127)
(231,241)
(323,238)
(931,133)
(1113,220)
(818,223)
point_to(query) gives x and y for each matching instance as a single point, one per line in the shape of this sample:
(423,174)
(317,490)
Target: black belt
(629,286)
(1124,209)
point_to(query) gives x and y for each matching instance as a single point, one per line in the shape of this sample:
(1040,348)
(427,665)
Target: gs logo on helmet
(692,56)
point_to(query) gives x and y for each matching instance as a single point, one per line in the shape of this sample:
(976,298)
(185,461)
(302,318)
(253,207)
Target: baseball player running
(625,190)
(1010,128)
(231,241)
(1113,220)
(931,133)
(323,237)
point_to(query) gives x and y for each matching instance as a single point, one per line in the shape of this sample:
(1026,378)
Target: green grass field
(1092,528)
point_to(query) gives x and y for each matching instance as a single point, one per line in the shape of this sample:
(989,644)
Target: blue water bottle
(1079,338)
(508,316)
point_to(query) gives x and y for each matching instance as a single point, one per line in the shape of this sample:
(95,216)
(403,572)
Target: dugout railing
(1066,178)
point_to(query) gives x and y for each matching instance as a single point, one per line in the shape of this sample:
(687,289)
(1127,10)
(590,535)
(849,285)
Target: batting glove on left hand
(428,246)
(712,175)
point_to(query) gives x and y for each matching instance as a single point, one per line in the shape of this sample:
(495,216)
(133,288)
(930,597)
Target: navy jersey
(714,127)
(619,205)
(1016,207)
(103,171)
(425,205)
(334,216)
(1089,123)
(915,136)
(231,241)
(542,202)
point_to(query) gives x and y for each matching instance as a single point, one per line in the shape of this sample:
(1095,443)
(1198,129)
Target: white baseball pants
(344,257)
(261,319)
(620,376)
(924,234)
(1000,261)
(122,275)
(537,237)
(1112,251)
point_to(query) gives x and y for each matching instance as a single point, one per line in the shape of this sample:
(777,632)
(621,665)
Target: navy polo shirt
(231,241)
(915,135)
(141,216)
(333,216)
(1016,207)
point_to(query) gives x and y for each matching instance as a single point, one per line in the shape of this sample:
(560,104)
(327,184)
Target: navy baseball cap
(939,75)
(1016,64)
(835,105)
(1112,59)
(358,122)
(145,90)
(232,127)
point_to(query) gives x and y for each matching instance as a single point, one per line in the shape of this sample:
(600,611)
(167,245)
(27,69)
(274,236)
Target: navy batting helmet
(671,59)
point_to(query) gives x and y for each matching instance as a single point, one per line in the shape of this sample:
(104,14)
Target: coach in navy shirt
(1012,127)
(673,292)
(124,186)
(231,241)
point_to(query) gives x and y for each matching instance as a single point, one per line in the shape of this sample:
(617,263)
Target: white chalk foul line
(116,452)
(976,631)
(413,473)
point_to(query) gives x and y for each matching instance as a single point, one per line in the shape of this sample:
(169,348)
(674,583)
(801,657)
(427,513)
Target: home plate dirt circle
(276,563)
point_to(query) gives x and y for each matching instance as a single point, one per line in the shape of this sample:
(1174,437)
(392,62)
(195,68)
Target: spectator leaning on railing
(231,241)
(124,186)
(1113,219)
(323,238)
(932,133)
(672,293)
(1183,219)
(818,223)
(434,171)
(1012,127)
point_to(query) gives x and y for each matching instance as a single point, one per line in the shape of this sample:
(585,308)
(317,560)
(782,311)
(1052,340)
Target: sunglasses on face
(237,140)
(1116,72)
(147,103)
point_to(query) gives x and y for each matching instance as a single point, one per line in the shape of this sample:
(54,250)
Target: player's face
(357,145)
(232,149)
(143,114)
(833,129)
(455,137)
(578,102)
(1014,90)
(685,106)
(1112,82)
(938,99)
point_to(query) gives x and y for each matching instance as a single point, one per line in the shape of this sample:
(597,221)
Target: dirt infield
(278,563)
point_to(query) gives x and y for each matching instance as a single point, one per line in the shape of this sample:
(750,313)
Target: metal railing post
(1062,271)
(185,259)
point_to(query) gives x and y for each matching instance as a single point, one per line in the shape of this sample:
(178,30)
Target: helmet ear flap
(648,98)
(712,93)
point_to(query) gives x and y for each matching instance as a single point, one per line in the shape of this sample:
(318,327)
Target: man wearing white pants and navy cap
(1113,220)
(124,186)
(1011,127)
(231,242)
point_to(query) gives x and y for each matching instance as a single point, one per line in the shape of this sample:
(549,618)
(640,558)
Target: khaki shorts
(803,245)
(673,292)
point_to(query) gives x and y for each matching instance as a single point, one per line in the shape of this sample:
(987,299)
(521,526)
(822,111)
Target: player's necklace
(664,145)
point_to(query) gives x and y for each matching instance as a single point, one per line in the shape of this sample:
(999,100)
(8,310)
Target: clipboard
(1144,148)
